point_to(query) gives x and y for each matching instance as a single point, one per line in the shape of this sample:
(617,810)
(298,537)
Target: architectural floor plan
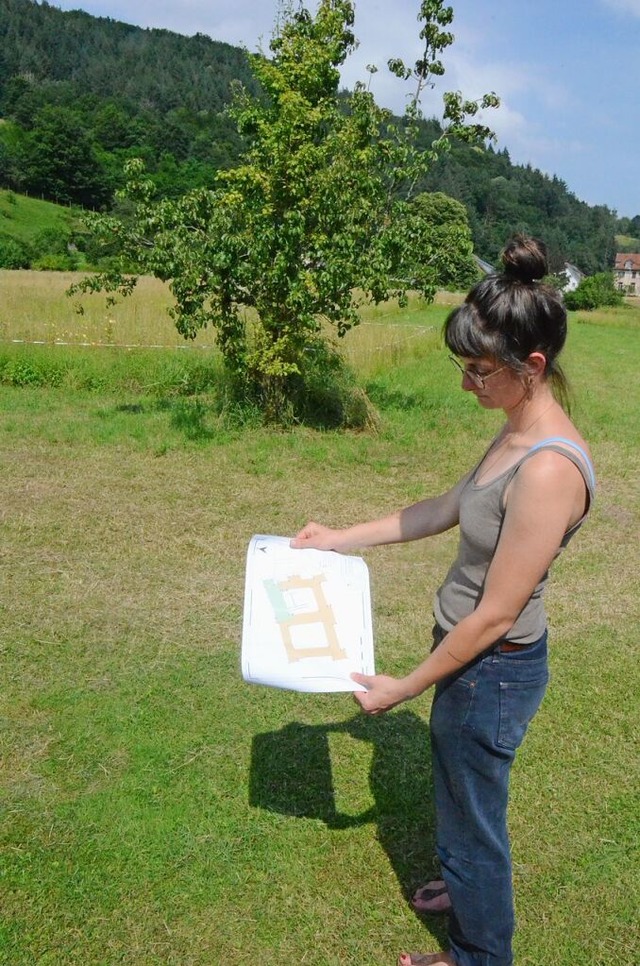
(307,618)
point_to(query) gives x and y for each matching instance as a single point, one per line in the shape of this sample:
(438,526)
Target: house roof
(484,266)
(574,270)
(622,258)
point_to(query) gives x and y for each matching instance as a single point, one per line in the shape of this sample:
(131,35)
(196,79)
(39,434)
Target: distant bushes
(14,254)
(594,293)
(56,250)
(52,249)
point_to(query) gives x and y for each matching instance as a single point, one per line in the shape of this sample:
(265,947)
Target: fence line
(418,330)
(102,345)
(397,325)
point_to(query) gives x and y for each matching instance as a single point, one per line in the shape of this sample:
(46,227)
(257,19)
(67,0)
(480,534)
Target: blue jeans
(478,719)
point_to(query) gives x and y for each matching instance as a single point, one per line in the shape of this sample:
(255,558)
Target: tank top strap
(557,442)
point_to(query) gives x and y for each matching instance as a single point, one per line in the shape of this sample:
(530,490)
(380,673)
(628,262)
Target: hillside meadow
(23,218)
(156,809)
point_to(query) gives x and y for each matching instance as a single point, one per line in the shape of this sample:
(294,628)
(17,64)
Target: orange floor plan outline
(307,617)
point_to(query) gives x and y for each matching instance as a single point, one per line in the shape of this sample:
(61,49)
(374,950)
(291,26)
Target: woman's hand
(317,537)
(383,692)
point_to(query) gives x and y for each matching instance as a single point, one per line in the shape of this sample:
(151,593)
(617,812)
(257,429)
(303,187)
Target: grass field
(22,218)
(157,810)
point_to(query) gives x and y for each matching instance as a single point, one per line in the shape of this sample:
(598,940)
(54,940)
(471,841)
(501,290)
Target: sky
(567,72)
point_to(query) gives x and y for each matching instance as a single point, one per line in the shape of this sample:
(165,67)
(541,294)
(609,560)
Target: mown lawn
(157,810)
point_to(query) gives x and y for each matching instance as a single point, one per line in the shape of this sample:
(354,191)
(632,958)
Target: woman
(516,509)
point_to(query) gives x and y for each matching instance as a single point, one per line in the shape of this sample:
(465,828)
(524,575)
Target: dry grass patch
(35,307)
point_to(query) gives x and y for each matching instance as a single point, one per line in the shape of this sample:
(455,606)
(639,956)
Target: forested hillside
(79,95)
(502,198)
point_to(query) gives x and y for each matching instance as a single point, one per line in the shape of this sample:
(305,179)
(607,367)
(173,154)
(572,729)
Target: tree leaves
(313,221)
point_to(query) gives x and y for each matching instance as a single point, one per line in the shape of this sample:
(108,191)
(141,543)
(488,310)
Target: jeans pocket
(519,701)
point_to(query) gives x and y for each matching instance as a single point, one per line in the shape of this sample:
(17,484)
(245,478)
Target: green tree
(12,140)
(112,127)
(311,223)
(594,292)
(441,240)
(14,253)
(60,162)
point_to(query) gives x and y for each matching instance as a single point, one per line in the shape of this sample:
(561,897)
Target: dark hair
(511,314)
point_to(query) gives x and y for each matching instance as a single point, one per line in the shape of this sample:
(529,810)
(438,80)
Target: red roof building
(627,272)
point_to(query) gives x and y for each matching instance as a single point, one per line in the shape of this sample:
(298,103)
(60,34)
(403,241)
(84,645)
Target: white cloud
(624,6)
(240,22)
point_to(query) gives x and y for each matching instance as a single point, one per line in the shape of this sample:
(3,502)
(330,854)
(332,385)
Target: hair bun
(525,259)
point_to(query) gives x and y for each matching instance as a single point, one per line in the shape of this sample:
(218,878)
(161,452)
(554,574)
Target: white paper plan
(307,618)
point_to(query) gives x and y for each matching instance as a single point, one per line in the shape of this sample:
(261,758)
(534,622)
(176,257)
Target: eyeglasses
(477,378)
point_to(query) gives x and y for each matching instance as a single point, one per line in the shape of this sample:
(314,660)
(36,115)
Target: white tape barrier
(102,345)
(418,331)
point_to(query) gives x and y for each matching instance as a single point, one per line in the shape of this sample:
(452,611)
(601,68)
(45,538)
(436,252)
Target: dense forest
(79,95)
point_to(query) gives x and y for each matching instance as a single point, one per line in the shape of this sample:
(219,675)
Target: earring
(528,385)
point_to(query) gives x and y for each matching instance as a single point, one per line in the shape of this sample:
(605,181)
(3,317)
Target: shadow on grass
(403,399)
(291,775)
(187,416)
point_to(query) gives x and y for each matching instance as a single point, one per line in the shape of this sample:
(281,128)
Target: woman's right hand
(318,537)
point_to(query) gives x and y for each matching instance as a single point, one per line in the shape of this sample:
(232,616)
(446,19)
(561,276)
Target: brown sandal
(425,899)
(425,959)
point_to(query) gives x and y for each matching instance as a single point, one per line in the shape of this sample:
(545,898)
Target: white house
(484,267)
(627,272)
(574,277)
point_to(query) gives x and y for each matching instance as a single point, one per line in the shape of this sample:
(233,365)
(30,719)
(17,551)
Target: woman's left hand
(383,692)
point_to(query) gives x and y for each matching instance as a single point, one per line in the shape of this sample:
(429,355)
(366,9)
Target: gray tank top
(482,511)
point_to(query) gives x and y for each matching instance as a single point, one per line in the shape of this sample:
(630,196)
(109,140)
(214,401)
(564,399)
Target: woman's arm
(423,519)
(545,499)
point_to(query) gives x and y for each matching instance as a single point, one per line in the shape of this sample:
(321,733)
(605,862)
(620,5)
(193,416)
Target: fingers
(366,680)
(305,537)
(368,702)
(314,536)
(362,699)
(382,694)
(367,705)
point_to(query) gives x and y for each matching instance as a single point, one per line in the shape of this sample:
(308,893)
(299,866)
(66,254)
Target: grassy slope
(23,218)
(160,811)
(628,243)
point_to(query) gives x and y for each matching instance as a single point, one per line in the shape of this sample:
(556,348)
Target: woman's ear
(536,364)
